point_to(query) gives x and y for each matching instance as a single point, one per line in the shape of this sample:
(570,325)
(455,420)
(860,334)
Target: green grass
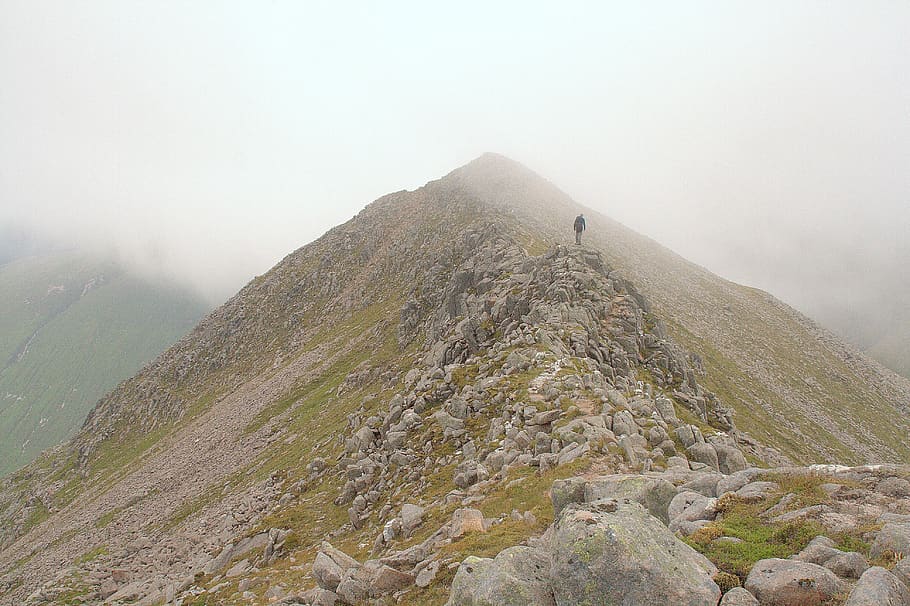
(762,538)
(79,347)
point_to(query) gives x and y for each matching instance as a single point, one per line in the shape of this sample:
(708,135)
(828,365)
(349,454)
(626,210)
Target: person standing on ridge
(579,227)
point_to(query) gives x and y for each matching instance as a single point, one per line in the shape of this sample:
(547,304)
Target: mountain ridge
(270,413)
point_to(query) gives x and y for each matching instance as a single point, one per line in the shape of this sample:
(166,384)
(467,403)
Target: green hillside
(72,328)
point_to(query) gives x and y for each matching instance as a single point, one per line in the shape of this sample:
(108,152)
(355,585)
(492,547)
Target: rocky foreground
(613,542)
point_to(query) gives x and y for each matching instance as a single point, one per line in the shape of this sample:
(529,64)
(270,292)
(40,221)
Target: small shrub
(726,581)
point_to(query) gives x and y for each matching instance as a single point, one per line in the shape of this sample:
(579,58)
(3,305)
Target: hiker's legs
(577,237)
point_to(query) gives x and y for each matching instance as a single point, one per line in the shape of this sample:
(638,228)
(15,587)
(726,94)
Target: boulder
(878,587)
(703,483)
(564,492)
(902,570)
(465,520)
(615,552)
(738,597)
(411,518)
(893,537)
(689,507)
(730,459)
(757,491)
(705,453)
(331,565)
(653,493)
(518,576)
(777,582)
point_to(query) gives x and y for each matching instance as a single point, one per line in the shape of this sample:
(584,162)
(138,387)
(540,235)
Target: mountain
(440,379)
(72,328)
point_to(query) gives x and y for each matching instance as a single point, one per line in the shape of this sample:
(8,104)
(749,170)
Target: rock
(757,491)
(821,551)
(705,453)
(738,597)
(427,574)
(564,492)
(667,412)
(653,493)
(518,576)
(447,421)
(878,587)
(331,565)
(546,417)
(689,435)
(385,579)
(850,565)
(319,597)
(703,483)
(902,570)
(691,506)
(818,551)
(893,537)
(777,582)
(411,518)
(730,459)
(894,487)
(617,553)
(465,520)
(734,482)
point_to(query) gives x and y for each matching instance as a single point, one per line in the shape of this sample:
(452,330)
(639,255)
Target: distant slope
(72,328)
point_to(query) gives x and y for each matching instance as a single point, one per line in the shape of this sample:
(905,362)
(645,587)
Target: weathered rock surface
(518,576)
(777,582)
(616,552)
(878,587)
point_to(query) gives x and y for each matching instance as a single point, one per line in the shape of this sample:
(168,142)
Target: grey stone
(703,483)
(518,576)
(777,582)
(564,492)
(878,587)
(902,570)
(757,491)
(730,459)
(691,506)
(705,453)
(411,518)
(738,597)
(653,493)
(735,481)
(849,565)
(617,553)
(892,537)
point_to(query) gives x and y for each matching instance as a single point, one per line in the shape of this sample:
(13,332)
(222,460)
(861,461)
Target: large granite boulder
(518,576)
(777,582)
(615,552)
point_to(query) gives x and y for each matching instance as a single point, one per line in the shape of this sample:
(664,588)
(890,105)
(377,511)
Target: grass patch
(91,554)
(759,538)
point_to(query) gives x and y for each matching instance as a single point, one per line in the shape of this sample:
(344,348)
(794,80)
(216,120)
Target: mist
(769,142)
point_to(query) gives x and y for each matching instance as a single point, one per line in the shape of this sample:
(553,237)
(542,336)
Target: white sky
(768,141)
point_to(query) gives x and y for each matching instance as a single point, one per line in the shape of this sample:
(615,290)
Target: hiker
(579,227)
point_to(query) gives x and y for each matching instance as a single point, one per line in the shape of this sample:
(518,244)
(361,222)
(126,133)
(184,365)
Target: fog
(769,142)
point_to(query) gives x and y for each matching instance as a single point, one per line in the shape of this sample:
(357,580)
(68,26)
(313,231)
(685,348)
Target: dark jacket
(579,223)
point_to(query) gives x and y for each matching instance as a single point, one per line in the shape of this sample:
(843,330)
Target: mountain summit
(408,387)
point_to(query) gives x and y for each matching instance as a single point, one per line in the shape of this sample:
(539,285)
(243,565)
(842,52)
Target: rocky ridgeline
(532,371)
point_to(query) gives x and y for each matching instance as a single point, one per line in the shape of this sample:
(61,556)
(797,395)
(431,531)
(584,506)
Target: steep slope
(439,348)
(72,328)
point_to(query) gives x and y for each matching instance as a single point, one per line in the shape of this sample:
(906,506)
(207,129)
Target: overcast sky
(768,141)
